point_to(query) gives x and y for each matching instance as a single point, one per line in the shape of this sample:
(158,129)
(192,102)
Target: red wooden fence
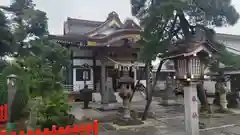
(83,129)
(3,113)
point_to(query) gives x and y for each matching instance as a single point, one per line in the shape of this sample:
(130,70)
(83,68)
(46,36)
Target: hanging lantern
(189,67)
(189,55)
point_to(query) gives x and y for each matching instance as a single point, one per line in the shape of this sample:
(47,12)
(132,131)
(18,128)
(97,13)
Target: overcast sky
(58,11)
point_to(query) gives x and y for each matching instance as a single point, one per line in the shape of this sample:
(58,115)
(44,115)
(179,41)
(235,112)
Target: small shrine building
(97,47)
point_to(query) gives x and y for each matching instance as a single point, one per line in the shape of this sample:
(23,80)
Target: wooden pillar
(71,69)
(94,72)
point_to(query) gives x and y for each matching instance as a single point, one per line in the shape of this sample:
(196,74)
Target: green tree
(6,37)
(27,23)
(167,21)
(41,59)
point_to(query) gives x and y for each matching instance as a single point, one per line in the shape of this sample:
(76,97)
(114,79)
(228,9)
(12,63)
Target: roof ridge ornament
(111,15)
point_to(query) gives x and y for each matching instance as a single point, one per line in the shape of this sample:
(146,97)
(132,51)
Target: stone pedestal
(126,109)
(169,98)
(221,89)
(125,93)
(191,109)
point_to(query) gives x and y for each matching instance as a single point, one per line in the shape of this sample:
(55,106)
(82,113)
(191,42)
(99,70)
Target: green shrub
(54,111)
(3,90)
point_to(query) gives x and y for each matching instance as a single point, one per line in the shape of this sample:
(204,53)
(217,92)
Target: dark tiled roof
(183,47)
(84,22)
(74,38)
(69,38)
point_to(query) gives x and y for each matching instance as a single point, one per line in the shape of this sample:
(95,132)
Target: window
(141,74)
(83,74)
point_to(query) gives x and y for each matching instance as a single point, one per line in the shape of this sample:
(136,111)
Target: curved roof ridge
(117,31)
(111,16)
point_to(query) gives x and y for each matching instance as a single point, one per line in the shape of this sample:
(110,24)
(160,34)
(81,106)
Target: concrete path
(166,120)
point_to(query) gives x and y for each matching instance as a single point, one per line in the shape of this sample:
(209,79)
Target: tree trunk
(151,89)
(202,96)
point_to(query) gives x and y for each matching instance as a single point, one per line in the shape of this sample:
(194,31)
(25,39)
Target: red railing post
(1,113)
(30,132)
(54,129)
(6,112)
(83,129)
(46,132)
(13,133)
(95,127)
(88,128)
(22,133)
(74,129)
(38,132)
(4,132)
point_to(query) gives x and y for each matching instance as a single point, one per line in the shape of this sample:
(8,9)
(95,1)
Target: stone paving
(167,120)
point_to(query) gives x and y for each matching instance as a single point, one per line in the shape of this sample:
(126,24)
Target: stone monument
(108,96)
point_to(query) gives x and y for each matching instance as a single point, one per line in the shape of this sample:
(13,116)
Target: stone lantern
(12,89)
(188,57)
(125,92)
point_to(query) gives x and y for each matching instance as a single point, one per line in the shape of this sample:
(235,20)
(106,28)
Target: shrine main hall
(96,49)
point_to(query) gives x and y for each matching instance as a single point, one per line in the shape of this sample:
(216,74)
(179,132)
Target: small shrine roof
(189,47)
